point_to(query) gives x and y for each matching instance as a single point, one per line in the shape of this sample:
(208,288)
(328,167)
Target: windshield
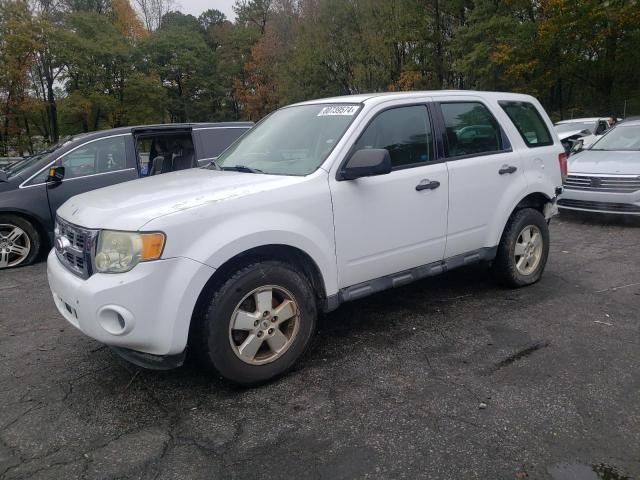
(290,141)
(27,162)
(623,137)
(573,126)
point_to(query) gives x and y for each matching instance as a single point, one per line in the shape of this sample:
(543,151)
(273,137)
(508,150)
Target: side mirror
(366,163)
(56,174)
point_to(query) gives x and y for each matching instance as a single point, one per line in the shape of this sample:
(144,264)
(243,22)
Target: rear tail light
(562,159)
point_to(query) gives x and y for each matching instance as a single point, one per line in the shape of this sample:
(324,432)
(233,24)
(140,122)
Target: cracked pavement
(391,388)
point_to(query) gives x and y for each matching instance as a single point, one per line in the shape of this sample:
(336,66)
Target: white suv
(321,203)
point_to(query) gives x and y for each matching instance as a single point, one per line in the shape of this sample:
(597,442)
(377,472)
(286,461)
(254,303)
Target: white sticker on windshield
(338,110)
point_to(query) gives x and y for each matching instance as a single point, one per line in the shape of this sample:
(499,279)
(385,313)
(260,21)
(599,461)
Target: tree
(17,44)
(178,54)
(211,18)
(152,12)
(46,70)
(127,21)
(253,13)
(98,63)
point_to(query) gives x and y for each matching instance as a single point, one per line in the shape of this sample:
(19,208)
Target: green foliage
(78,65)
(185,66)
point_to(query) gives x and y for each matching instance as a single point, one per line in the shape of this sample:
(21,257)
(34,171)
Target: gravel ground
(451,377)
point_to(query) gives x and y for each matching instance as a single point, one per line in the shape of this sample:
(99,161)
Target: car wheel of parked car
(258,323)
(19,242)
(523,249)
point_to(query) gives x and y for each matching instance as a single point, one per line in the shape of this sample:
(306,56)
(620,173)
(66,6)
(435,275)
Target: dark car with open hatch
(32,189)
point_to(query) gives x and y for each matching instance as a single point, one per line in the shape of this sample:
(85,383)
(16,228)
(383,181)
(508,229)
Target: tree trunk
(52,111)
(29,139)
(96,119)
(439,60)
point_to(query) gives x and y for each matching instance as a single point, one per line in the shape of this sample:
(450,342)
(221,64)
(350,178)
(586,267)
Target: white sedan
(606,177)
(587,130)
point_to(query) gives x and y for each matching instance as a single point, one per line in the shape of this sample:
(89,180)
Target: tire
(17,233)
(241,301)
(512,270)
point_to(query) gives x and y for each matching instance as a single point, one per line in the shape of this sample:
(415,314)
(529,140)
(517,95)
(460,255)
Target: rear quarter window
(528,122)
(214,141)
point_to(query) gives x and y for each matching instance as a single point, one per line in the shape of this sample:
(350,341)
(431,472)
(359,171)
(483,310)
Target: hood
(605,162)
(10,184)
(130,205)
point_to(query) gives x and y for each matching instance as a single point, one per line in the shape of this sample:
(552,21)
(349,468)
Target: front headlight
(119,252)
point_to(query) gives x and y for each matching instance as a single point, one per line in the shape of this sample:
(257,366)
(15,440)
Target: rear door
(93,164)
(163,150)
(212,141)
(485,174)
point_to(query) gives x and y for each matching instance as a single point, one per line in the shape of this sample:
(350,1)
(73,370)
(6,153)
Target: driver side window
(101,156)
(405,132)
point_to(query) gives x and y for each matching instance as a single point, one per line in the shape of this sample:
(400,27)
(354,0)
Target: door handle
(427,185)
(507,169)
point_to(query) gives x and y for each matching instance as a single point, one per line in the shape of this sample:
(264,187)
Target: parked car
(32,189)
(321,203)
(588,130)
(6,161)
(606,177)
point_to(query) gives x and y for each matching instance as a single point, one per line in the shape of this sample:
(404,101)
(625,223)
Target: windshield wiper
(243,168)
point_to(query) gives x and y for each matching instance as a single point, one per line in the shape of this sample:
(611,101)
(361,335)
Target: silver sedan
(606,177)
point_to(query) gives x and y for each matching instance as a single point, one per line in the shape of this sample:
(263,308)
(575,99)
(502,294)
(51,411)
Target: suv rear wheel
(523,250)
(258,323)
(19,242)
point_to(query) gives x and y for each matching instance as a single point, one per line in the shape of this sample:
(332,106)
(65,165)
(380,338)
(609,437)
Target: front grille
(601,206)
(73,246)
(623,184)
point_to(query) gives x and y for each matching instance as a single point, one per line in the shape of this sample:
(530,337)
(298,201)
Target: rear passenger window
(215,140)
(529,123)
(405,132)
(471,129)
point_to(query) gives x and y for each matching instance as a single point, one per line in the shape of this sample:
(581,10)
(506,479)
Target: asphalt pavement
(448,378)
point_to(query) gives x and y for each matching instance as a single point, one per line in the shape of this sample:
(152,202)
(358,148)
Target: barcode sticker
(338,110)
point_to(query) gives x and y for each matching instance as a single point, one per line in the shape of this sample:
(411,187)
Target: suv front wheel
(258,323)
(523,250)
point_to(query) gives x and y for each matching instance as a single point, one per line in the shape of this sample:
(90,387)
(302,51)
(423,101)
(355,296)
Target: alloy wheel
(264,325)
(528,250)
(15,245)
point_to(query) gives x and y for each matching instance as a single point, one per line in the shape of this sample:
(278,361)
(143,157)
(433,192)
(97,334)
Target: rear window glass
(529,123)
(214,141)
(471,129)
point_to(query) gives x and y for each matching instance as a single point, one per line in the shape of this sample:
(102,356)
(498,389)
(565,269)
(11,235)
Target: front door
(393,222)
(94,164)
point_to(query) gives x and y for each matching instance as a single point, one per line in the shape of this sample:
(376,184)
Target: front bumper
(601,202)
(146,310)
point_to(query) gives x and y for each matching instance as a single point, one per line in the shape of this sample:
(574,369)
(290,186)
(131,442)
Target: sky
(196,7)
